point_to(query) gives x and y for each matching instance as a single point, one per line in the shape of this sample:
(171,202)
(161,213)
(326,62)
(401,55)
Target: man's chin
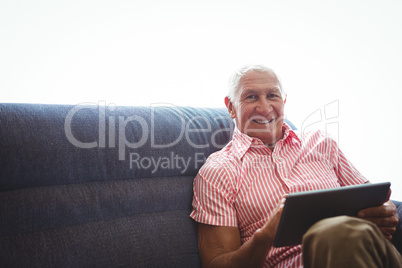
(262,134)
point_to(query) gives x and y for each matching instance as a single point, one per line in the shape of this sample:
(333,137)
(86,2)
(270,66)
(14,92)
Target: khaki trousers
(348,242)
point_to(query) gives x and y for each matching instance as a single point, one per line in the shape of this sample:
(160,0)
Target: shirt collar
(242,142)
(288,133)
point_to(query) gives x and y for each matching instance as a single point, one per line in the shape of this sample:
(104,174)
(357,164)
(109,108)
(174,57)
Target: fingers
(273,223)
(283,201)
(388,232)
(384,217)
(386,210)
(386,225)
(388,222)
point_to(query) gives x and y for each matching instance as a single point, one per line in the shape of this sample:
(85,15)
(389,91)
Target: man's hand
(384,216)
(271,226)
(221,246)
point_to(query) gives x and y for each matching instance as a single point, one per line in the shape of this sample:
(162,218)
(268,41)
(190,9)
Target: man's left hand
(384,216)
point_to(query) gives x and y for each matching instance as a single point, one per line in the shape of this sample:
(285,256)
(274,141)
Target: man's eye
(272,96)
(251,97)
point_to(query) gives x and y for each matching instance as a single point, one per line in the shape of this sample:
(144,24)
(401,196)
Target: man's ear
(286,97)
(230,107)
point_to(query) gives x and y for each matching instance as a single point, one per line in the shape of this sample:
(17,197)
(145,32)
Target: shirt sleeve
(346,172)
(213,202)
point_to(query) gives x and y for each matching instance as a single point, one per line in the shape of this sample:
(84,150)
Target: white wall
(343,54)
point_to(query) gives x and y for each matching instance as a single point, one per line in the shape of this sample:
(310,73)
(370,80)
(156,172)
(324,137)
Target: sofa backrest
(93,185)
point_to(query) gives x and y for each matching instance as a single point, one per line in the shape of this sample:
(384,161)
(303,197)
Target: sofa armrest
(397,238)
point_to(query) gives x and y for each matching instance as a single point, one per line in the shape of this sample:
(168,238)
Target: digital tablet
(303,209)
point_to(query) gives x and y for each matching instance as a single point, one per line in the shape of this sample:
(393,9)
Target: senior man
(240,191)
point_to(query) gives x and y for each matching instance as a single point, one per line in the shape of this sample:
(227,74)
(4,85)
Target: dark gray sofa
(104,186)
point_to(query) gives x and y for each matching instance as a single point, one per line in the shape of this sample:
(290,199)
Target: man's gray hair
(234,82)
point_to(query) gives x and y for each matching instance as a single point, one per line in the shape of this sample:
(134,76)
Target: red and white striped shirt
(241,185)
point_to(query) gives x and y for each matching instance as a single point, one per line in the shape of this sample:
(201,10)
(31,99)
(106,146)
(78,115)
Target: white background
(342,55)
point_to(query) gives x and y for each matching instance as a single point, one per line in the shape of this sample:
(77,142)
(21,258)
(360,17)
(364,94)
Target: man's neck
(270,146)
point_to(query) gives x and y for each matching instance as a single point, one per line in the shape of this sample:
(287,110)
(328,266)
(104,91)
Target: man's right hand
(220,246)
(271,226)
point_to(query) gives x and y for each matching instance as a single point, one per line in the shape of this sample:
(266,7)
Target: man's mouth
(263,121)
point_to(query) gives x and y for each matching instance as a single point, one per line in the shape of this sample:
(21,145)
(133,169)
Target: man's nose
(264,106)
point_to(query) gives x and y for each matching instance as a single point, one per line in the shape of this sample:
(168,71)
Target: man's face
(259,107)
